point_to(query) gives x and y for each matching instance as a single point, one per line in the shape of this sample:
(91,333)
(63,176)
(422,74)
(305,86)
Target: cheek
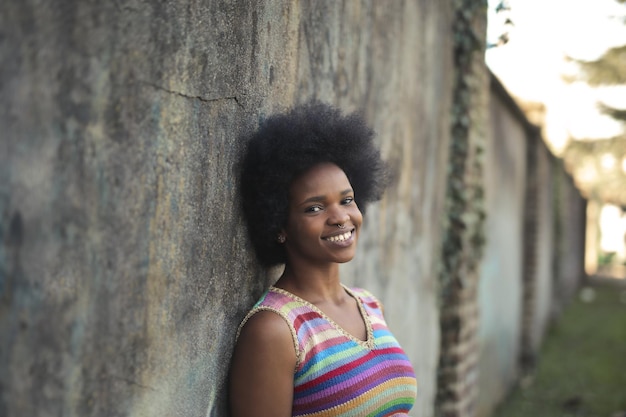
(302,227)
(357,217)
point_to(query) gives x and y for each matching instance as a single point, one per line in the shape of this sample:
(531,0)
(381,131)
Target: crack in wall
(192,97)
(130,382)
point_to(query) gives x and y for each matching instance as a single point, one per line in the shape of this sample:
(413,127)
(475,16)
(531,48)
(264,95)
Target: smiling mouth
(340,238)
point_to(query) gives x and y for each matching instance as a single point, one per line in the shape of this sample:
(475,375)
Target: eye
(313,209)
(347,200)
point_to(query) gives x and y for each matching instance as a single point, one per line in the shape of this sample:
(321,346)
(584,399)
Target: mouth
(340,238)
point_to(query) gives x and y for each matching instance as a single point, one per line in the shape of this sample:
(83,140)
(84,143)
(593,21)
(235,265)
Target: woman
(311,346)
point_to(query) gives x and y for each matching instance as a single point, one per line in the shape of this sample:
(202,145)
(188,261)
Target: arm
(262,368)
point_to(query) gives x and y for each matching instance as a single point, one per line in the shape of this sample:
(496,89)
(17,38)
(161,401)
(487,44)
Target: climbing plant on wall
(463,236)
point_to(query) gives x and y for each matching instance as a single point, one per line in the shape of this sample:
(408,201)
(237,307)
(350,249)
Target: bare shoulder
(262,368)
(265,324)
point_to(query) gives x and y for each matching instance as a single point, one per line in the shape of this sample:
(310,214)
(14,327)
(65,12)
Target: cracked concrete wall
(124,264)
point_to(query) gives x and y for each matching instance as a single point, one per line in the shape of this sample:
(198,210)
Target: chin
(344,260)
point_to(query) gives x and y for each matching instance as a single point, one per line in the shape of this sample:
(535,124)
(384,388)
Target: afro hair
(288,144)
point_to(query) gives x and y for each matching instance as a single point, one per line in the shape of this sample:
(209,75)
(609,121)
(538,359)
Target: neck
(312,284)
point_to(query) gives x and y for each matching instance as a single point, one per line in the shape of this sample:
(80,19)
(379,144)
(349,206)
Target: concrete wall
(568,263)
(500,286)
(543,255)
(124,264)
(534,256)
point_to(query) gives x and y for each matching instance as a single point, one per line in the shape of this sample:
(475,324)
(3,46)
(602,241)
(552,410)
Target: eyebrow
(317,198)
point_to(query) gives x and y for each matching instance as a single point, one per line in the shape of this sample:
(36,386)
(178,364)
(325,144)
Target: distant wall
(500,285)
(570,228)
(124,263)
(539,255)
(534,255)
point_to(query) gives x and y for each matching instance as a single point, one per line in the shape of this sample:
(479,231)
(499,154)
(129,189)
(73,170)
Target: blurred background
(565,63)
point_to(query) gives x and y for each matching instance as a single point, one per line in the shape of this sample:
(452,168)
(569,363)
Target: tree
(599,168)
(599,165)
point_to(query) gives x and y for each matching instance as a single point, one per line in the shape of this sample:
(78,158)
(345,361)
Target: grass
(582,364)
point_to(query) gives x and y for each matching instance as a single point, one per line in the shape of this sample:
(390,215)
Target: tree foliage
(600,165)
(609,69)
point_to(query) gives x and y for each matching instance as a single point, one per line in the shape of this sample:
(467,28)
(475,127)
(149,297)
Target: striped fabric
(338,375)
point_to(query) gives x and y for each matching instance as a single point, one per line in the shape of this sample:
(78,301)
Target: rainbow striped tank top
(338,375)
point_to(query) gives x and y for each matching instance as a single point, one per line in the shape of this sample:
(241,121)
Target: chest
(339,370)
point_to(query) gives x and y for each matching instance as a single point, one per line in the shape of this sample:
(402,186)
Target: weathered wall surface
(119,224)
(500,285)
(124,266)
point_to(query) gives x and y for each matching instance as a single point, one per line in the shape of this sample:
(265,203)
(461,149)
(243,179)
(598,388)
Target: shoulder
(269,318)
(265,347)
(262,367)
(265,326)
(271,321)
(264,323)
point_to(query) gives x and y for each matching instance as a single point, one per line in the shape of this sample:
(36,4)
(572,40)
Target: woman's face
(324,220)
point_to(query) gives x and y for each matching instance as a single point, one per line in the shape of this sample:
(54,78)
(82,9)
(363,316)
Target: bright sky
(530,65)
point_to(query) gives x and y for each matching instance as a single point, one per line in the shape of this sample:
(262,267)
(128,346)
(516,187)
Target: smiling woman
(312,346)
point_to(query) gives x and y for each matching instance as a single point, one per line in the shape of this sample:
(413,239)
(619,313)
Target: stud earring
(281,238)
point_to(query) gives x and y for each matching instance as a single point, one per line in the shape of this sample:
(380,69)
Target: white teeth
(340,238)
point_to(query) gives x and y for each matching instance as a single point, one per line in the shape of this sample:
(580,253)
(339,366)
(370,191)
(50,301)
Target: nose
(338,215)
